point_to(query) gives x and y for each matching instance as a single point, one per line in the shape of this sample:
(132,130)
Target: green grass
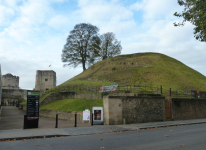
(25,102)
(72,105)
(139,69)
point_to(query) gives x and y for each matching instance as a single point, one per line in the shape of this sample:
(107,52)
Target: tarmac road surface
(188,137)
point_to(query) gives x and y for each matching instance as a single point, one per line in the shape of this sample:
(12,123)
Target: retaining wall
(134,109)
(66,115)
(183,109)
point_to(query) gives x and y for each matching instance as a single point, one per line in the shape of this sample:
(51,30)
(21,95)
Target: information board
(97,115)
(86,115)
(33,104)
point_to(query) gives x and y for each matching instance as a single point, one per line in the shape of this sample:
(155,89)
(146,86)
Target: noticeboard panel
(33,104)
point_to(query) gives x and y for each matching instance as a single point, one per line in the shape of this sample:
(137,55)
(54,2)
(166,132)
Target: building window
(46,79)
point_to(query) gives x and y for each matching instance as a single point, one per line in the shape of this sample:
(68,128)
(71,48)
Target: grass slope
(141,68)
(72,105)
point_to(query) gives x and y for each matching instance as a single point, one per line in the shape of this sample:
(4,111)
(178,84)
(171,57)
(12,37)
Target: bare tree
(82,45)
(110,47)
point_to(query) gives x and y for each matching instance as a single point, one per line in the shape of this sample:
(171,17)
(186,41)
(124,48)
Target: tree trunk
(83,65)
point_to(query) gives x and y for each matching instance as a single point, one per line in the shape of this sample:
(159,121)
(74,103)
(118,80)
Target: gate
(168,109)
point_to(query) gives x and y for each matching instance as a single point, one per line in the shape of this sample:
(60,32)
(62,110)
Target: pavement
(85,130)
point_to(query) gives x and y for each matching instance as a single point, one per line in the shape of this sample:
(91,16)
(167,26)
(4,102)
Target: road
(188,137)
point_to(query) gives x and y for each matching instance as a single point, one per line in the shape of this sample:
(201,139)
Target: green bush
(104,94)
(21,100)
(127,91)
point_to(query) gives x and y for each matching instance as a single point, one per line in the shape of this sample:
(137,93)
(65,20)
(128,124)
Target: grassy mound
(142,69)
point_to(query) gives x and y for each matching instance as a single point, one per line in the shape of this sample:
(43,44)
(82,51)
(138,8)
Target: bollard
(75,121)
(92,119)
(25,122)
(56,121)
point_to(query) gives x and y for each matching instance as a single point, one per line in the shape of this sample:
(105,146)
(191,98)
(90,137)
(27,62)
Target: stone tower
(10,82)
(45,79)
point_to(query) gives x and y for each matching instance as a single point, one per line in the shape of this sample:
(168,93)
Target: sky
(33,33)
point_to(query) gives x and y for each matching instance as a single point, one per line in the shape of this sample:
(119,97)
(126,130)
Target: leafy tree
(110,47)
(83,45)
(194,12)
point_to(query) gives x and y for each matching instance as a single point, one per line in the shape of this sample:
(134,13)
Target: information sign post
(32,109)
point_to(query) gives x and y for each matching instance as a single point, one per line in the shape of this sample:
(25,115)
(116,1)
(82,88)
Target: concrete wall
(10,82)
(45,79)
(135,109)
(112,110)
(183,109)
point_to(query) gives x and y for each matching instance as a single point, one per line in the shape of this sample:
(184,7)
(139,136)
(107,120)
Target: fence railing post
(92,120)
(75,120)
(170,92)
(56,121)
(25,121)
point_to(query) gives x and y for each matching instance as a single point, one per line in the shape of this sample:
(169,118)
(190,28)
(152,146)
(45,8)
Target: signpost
(32,109)
(86,115)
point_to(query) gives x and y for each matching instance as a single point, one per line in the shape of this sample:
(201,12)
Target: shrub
(104,94)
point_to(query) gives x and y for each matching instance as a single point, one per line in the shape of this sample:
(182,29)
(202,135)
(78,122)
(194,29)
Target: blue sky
(33,33)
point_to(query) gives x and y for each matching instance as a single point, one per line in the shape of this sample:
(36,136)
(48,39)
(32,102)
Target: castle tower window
(46,79)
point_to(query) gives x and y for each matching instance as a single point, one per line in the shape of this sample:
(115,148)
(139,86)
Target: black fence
(152,90)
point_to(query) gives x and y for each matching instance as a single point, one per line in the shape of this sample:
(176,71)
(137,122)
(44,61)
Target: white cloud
(58,22)
(5,14)
(35,33)
(157,9)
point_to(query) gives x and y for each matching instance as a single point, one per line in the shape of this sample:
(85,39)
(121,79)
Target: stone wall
(10,95)
(135,109)
(66,115)
(183,109)
(10,82)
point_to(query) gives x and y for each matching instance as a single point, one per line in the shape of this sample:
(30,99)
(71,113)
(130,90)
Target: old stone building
(10,89)
(10,82)
(45,79)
